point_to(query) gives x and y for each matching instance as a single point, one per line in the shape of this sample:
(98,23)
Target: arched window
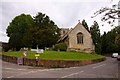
(79,38)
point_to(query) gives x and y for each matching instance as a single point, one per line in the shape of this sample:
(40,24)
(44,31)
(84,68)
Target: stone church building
(77,39)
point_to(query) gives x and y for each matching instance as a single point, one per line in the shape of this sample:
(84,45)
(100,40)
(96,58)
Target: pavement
(105,69)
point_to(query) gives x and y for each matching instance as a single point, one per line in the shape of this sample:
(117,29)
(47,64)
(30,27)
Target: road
(105,69)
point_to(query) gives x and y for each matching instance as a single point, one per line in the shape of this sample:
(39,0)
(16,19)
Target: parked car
(114,55)
(118,58)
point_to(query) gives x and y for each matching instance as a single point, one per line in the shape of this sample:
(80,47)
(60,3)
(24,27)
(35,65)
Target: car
(114,55)
(118,58)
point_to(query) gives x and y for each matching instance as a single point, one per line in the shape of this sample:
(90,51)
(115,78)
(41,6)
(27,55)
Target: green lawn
(54,55)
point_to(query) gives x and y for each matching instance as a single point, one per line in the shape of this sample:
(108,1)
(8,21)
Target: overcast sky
(65,13)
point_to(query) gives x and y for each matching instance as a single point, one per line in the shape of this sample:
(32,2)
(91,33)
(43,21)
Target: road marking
(10,72)
(25,73)
(98,66)
(72,74)
(10,77)
(13,69)
(7,68)
(21,69)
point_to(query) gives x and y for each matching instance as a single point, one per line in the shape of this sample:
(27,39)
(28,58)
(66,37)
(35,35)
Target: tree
(85,25)
(44,33)
(109,14)
(95,32)
(117,37)
(110,42)
(60,46)
(17,29)
(118,42)
(103,43)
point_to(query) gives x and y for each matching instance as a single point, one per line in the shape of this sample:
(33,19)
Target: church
(77,39)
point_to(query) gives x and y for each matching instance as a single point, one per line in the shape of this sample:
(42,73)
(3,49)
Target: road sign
(20,61)
(36,55)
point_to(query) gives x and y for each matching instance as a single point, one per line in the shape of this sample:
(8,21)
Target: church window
(80,38)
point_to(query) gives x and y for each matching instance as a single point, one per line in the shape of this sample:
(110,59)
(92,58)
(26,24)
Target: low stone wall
(62,63)
(51,63)
(9,59)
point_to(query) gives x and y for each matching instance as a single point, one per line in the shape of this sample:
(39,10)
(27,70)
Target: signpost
(25,52)
(24,55)
(37,55)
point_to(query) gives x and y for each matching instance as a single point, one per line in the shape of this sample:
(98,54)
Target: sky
(65,13)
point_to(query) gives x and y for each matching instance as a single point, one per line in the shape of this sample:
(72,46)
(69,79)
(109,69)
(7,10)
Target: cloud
(65,13)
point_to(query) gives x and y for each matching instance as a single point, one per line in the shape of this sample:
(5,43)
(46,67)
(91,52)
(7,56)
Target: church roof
(66,35)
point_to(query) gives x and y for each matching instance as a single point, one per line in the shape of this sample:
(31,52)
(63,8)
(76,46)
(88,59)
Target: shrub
(60,46)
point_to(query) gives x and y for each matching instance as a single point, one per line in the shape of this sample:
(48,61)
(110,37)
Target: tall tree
(117,38)
(17,29)
(111,15)
(45,31)
(84,23)
(110,41)
(95,32)
(103,43)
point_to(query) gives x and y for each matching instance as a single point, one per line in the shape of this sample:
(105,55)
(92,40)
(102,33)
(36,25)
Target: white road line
(10,72)
(21,69)
(25,73)
(10,77)
(98,66)
(72,74)
(7,68)
(13,69)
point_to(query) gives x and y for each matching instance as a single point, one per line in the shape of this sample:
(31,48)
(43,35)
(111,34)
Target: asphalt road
(105,69)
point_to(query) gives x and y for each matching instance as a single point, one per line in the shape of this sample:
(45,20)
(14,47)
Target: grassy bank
(54,55)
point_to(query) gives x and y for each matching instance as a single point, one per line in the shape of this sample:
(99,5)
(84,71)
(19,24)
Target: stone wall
(9,59)
(51,63)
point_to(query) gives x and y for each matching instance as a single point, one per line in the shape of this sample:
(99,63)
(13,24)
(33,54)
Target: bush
(60,46)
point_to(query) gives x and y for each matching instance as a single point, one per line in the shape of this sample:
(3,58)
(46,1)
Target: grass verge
(54,55)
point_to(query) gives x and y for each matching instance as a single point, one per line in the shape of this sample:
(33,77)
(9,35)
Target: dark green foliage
(117,38)
(117,42)
(110,42)
(85,25)
(95,32)
(60,46)
(103,43)
(17,29)
(24,31)
(44,32)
